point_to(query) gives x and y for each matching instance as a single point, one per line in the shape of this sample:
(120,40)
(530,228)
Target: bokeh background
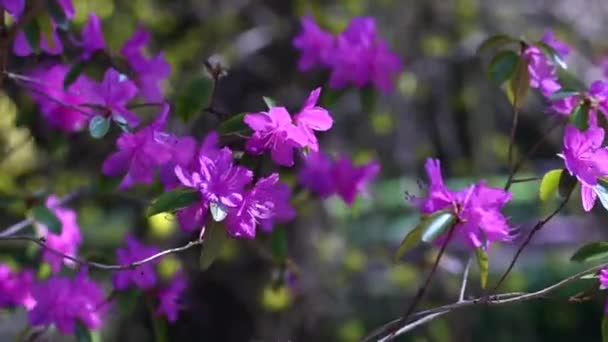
(443,106)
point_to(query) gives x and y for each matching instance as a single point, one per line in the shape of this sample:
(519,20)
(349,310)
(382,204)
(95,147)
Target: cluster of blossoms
(356,56)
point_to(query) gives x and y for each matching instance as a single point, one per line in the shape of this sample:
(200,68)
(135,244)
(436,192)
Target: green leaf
(218,211)
(46,27)
(552,54)
(173,200)
(436,224)
(233,125)
(580,117)
(605,328)
(194,97)
(82,333)
(483,262)
(410,240)
(32,34)
(549,184)
(519,83)
(496,41)
(99,126)
(590,276)
(601,189)
(270,102)
(278,240)
(215,238)
(566,183)
(503,66)
(563,94)
(58,15)
(45,216)
(367,96)
(591,252)
(72,75)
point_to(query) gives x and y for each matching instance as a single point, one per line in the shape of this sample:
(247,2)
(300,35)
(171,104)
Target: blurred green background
(443,106)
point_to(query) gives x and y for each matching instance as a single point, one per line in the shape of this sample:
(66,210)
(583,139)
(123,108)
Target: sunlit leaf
(46,28)
(174,200)
(591,252)
(45,216)
(549,184)
(411,239)
(270,102)
(519,83)
(563,94)
(436,224)
(99,126)
(218,211)
(552,54)
(193,98)
(483,262)
(503,66)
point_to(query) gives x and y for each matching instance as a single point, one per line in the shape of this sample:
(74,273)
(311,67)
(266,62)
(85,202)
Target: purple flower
(113,93)
(141,153)
(313,118)
(185,155)
(560,47)
(314,44)
(92,37)
(477,208)
(542,72)
(49,81)
(14,7)
(267,200)
(15,288)
(274,131)
(67,242)
(169,298)
(586,159)
(142,276)
(151,71)
(597,94)
(351,180)
(361,58)
(316,174)
(219,181)
(63,302)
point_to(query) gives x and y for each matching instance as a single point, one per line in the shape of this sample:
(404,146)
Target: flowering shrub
(242,180)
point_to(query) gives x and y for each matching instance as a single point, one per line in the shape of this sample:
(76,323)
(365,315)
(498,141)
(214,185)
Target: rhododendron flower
(476,207)
(141,153)
(185,154)
(267,200)
(219,181)
(314,44)
(14,7)
(560,47)
(169,298)
(16,287)
(597,94)
(142,276)
(113,93)
(49,81)
(151,71)
(274,131)
(63,302)
(585,159)
(326,177)
(92,37)
(542,72)
(313,118)
(67,242)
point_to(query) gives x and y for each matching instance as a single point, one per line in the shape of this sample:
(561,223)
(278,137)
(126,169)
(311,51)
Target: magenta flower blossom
(326,177)
(151,71)
(184,154)
(92,37)
(49,80)
(14,7)
(140,154)
(586,159)
(267,200)
(63,302)
(313,118)
(604,278)
(560,47)
(218,179)
(169,298)
(314,44)
(113,93)
(67,242)
(142,276)
(15,288)
(542,72)
(477,208)
(274,131)
(597,94)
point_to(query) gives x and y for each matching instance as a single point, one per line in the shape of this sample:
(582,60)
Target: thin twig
(525,180)
(42,243)
(465,277)
(537,227)
(389,329)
